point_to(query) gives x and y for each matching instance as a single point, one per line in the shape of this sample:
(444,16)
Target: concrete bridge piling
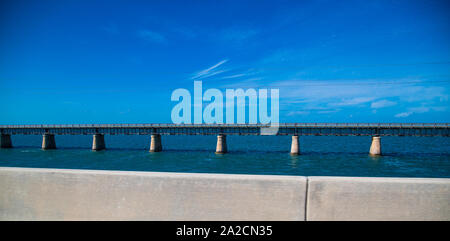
(155,143)
(48,141)
(295,146)
(375,148)
(98,142)
(221,147)
(5,141)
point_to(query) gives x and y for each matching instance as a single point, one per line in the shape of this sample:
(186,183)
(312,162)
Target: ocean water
(321,155)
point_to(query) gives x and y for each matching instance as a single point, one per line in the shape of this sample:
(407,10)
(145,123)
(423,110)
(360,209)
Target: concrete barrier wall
(57,194)
(50,194)
(349,198)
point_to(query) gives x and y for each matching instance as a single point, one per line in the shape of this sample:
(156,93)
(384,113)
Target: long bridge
(376,130)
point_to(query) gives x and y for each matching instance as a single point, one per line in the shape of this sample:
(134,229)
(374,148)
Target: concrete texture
(98,142)
(295,146)
(48,141)
(221,147)
(52,194)
(155,143)
(375,147)
(60,194)
(352,198)
(5,141)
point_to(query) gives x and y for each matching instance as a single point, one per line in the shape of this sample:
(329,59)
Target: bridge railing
(331,125)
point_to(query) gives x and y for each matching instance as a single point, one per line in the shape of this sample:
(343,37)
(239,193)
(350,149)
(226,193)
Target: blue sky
(67,62)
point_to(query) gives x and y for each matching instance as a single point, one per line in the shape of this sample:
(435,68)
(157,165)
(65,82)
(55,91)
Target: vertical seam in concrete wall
(306,199)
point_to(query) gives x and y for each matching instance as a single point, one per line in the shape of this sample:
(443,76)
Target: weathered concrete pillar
(48,142)
(155,143)
(375,148)
(98,142)
(295,146)
(221,147)
(6,141)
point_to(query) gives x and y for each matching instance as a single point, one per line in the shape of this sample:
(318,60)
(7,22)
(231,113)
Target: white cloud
(352,101)
(210,71)
(342,93)
(420,110)
(382,104)
(294,113)
(234,76)
(403,114)
(212,74)
(328,111)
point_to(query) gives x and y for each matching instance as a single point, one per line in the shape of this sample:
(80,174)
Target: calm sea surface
(321,155)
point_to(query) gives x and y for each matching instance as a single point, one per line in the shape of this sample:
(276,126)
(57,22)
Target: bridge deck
(318,129)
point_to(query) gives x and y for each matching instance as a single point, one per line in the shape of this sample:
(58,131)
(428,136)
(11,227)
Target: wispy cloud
(328,111)
(211,71)
(403,114)
(352,101)
(420,110)
(152,36)
(312,110)
(234,76)
(212,74)
(342,92)
(382,104)
(300,112)
(360,95)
